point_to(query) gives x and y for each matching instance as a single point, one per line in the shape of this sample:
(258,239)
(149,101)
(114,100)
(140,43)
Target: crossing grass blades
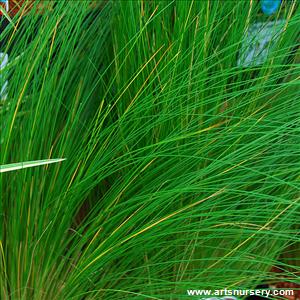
(182,167)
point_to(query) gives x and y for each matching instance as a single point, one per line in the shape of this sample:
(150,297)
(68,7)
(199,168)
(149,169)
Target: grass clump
(182,167)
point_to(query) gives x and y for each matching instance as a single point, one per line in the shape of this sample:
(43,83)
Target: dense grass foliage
(182,168)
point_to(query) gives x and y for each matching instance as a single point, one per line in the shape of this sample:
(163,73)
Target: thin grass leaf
(28,164)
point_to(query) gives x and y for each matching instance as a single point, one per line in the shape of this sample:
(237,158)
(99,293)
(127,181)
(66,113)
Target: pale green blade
(28,164)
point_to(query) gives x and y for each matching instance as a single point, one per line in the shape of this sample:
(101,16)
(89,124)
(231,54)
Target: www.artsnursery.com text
(226,293)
